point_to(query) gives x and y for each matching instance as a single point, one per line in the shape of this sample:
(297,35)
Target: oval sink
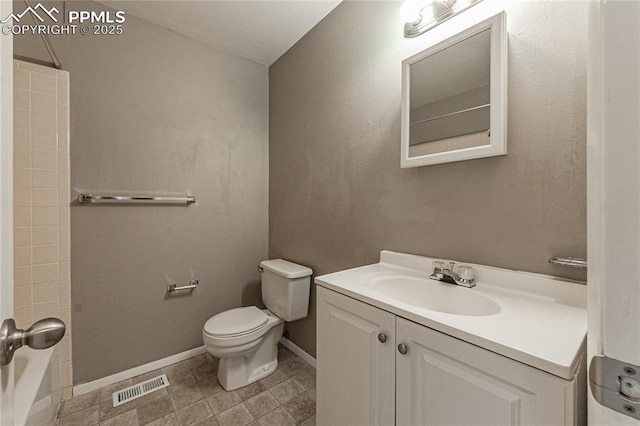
(435,296)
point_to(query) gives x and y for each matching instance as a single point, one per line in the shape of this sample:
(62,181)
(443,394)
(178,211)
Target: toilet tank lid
(285,268)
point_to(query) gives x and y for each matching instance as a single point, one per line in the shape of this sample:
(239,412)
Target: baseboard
(136,371)
(299,351)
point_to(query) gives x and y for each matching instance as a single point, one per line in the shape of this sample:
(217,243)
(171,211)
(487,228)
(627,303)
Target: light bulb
(410,10)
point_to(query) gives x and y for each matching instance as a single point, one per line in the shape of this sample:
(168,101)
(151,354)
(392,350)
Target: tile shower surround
(194,397)
(42,282)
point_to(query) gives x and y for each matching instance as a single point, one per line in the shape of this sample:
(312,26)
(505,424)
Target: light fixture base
(446,9)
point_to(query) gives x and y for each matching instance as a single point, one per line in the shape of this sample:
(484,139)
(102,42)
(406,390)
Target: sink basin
(435,295)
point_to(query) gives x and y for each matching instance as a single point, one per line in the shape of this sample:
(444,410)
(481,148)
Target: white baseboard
(299,351)
(136,371)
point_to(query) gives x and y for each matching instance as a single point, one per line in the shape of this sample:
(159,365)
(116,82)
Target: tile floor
(194,397)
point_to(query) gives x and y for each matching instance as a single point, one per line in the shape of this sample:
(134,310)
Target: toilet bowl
(245,339)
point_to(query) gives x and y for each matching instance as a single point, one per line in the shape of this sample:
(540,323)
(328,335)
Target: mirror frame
(498,96)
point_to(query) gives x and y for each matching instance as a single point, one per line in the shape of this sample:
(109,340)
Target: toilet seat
(236,322)
(252,324)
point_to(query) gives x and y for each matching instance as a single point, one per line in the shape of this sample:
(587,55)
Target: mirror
(454,97)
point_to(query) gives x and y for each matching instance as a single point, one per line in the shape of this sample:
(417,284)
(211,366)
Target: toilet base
(239,371)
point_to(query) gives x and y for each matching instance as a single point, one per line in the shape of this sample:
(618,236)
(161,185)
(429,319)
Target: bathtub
(37,384)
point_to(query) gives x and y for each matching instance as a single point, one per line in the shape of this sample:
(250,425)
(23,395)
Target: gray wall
(155,112)
(338,196)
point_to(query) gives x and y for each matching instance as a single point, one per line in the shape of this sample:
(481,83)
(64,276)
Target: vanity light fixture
(420,16)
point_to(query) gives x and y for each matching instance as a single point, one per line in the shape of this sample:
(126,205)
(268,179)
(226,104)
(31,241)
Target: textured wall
(156,112)
(337,193)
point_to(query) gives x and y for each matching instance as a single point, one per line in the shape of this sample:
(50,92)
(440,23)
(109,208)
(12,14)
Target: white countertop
(542,321)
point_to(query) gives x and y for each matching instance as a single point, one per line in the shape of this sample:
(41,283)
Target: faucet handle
(438,266)
(451,266)
(466,273)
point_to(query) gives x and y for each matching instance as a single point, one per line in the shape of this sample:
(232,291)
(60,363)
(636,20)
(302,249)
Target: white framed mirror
(454,97)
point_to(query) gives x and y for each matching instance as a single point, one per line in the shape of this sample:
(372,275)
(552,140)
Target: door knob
(402,348)
(382,337)
(41,335)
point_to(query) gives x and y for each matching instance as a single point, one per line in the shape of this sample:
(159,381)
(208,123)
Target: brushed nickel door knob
(382,337)
(402,348)
(41,335)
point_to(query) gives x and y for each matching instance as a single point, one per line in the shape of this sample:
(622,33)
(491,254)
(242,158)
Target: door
(6,206)
(355,362)
(444,381)
(613,192)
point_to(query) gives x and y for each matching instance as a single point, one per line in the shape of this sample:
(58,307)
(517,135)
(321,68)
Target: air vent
(133,392)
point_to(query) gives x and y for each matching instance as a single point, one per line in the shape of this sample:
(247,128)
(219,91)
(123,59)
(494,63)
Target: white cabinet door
(462,384)
(356,374)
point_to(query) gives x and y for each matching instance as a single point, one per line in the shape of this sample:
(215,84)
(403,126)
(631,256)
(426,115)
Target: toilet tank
(285,288)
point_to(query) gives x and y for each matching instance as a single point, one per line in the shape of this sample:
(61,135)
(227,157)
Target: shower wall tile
(22,178)
(44,139)
(41,206)
(45,216)
(43,120)
(45,274)
(44,160)
(21,157)
(21,79)
(22,197)
(22,276)
(44,84)
(45,254)
(21,99)
(47,292)
(22,237)
(21,140)
(21,119)
(43,103)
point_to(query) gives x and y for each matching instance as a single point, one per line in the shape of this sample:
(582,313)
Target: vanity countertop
(541,320)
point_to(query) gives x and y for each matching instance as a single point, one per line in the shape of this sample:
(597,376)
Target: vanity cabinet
(376,368)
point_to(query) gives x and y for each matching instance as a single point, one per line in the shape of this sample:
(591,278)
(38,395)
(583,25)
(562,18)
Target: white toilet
(246,339)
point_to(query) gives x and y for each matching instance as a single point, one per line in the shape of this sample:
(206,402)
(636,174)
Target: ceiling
(259,30)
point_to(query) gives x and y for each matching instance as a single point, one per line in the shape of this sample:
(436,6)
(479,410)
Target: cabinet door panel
(444,381)
(355,371)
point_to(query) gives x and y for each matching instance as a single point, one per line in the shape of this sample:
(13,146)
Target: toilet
(246,339)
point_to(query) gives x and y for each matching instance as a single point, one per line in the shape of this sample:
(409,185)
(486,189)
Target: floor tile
(130,418)
(87,417)
(235,416)
(312,393)
(292,366)
(107,410)
(170,420)
(179,379)
(278,417)
(311,421)
(211,421)
(285,391)
(261,404)
(79,403)
(273,379)
(185,396)
(154,410)
(301,408)
(196,398)
(209,386)
(193,414)
(222,401)
(304,380)
(252,390)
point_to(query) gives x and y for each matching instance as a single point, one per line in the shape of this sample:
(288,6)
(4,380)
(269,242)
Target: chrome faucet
(448,275)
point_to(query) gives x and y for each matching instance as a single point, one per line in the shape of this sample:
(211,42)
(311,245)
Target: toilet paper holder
(174,287)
